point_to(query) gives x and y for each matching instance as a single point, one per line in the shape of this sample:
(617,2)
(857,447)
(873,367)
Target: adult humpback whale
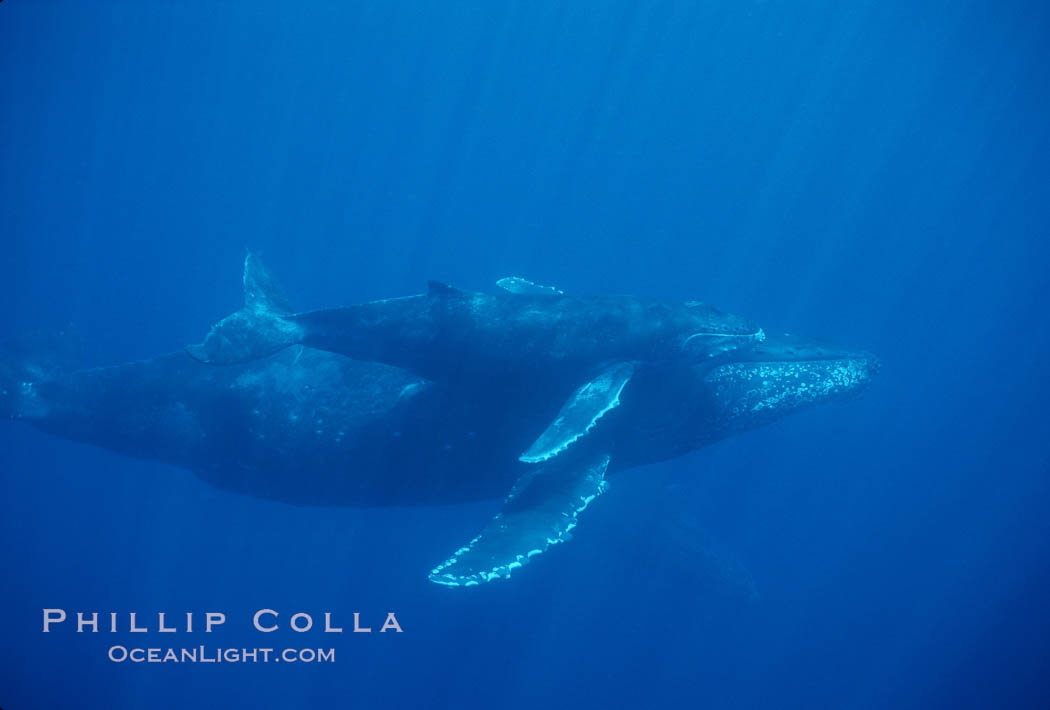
(309,427)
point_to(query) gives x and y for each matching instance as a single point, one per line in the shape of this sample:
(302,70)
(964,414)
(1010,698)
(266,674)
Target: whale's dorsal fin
(581,412)
(524,287)
(436,288)
(540,511)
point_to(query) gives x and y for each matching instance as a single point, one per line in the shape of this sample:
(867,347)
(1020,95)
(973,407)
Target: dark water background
(874,173)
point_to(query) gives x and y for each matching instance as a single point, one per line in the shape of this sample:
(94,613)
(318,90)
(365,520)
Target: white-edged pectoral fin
(524,287)
(581,412)
(540,511)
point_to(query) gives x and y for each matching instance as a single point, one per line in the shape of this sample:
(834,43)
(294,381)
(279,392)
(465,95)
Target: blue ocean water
(870,173)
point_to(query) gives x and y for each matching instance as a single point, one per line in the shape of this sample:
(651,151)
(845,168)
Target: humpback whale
(585,348)
(306,426)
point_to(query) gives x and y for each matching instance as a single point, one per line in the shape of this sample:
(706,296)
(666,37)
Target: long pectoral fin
(524,287)
(580,413)
(539,512)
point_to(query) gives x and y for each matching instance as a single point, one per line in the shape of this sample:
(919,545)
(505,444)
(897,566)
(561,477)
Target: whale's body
(447,333)
(579,351)
(307,426)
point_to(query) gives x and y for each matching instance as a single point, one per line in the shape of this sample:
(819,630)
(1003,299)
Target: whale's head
(782,374)
(667,411)
(710,333)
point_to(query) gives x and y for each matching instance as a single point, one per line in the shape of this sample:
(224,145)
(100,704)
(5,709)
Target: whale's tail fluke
(261,328)
(31,359)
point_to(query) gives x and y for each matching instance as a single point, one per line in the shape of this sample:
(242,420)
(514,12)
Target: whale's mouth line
(759,335)
(767,359)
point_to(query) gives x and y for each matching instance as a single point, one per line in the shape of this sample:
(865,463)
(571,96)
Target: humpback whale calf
(306,426)
(589,346)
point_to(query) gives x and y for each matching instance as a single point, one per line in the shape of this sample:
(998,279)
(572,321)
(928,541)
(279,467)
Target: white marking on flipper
(440,575)
(524,287)
(555,437)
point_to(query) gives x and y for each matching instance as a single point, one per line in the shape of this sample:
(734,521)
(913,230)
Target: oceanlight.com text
(204,654)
